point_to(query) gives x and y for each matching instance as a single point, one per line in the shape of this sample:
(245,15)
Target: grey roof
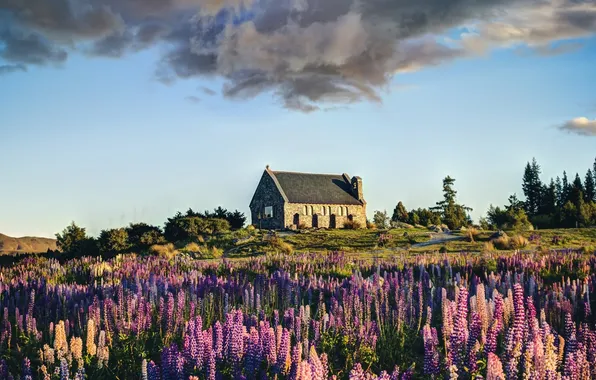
(315,188)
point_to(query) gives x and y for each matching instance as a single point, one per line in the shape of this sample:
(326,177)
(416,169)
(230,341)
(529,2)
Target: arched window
(312,210)
(328,210)
(305,210)
(322,210)
(341,211)
(346,210)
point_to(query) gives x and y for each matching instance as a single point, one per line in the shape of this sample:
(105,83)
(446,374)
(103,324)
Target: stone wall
(265,195)
(294,213)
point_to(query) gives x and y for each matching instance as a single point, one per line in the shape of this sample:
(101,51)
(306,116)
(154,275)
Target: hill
(27,244)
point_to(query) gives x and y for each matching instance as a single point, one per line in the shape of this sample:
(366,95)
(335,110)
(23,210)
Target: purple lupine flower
(296,362)
(495,328)
(253,353)
(283,354)
(317,369)
(516,333)
(144,375)
(494,368)
(431,354)
(211,368)
(474,334)
(218,340)
(27,369)
(64,375)
(152,371)
(457,341)
(357,373)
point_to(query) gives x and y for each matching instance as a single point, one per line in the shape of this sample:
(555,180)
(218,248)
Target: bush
(114,240)
(279,245)
(471,233)
(518,242)
(588,249)
(352,225)
(488,246)
(502,242)
(167,251)
(443,249)
(370,225)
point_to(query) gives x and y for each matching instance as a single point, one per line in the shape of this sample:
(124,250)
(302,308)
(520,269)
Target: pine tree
(566,190)
(559,192)
(400,214)
(589,187)
(452,214)
(577,190)
(548,204)
(532,187)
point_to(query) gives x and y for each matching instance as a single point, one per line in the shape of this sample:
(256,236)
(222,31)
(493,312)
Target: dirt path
(438,238)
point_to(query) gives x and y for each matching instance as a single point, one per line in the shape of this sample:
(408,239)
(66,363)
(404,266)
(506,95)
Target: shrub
(192,247)
(471,233)
(488,246)
(588,249)
(279,245)
(352,225)
(518,241)
(167,251)
(370,225)
(443,249)
(502,242)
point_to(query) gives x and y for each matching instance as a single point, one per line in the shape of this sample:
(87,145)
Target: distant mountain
(27,244)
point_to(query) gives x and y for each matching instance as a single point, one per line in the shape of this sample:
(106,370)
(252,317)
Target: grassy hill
(25,244)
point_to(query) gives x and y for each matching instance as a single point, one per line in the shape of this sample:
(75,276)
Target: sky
(120,111)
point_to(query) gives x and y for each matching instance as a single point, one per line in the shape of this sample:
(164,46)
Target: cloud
(193,99)
(581,126)
(310,54)
(7,69)
(207,91)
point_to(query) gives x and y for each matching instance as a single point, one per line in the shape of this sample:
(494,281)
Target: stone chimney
(357,188)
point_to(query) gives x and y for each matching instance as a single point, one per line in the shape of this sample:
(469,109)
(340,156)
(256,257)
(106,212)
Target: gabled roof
(314,188)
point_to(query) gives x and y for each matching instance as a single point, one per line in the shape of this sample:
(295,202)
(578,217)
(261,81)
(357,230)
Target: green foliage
(192,228)
(381,219)
(400,214)
(72,239)
(452,214)
(532,187)
(142,236)
(114,240)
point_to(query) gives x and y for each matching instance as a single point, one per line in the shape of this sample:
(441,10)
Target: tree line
(139,237)
(558,203)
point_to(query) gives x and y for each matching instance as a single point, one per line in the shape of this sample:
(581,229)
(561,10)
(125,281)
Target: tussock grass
(167,251)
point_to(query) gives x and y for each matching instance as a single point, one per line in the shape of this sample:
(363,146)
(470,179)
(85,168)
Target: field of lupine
(304,316)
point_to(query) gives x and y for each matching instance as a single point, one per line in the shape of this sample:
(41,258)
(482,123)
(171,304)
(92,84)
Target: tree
(566,190)
(532,187)
(400,214)
(559,191)
(413,217)
(589,187)
(72,239)
(577,190)
(453,215)
(381,219)
(548,202)
(142,236)
(236,219)
(114,240)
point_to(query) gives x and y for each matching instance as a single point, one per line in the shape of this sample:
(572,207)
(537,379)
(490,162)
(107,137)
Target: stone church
(289,199)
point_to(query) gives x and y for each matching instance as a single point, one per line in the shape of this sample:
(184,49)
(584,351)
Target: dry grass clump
(352,225)
(192,247)
(488,246)
(502,242)
(371,225)
(279,245)
(167,251)
(515,242)
(518,242)
(471,233)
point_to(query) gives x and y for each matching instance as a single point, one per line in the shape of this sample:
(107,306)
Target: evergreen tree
(452,214)
(548,204)
(559,192)
(400,214)
(589,187)
(532,187)
(577,191)
(566,190)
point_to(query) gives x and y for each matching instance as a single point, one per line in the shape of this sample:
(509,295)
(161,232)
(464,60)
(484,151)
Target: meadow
(496,315)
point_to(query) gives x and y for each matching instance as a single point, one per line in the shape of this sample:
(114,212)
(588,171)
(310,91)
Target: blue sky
(101,142)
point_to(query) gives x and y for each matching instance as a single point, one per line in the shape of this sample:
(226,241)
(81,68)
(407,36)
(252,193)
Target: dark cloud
(192,99)
(207,91)
(23,48)
(308,53)
(7,69)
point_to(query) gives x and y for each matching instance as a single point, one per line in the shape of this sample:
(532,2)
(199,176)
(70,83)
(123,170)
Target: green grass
(353,240)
